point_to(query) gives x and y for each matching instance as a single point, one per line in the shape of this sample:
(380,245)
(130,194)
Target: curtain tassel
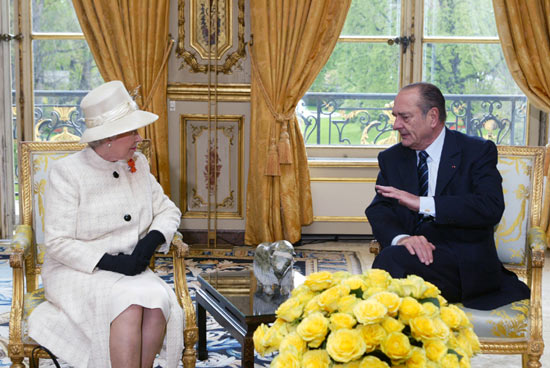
(285,157)
(272,167)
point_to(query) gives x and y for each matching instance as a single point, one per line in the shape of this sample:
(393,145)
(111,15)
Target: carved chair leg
(534,361)
(190,338)
(17,362)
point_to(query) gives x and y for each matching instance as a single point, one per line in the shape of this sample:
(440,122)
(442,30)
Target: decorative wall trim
(229,166)
(340,219)
(199,92)
(345,180)
(226,33)
(342,163)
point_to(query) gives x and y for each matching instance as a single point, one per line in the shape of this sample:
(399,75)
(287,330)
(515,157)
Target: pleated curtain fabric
(129,40)
(293,40)
(524,31)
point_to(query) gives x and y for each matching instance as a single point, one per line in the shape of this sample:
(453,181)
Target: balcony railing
(366,119)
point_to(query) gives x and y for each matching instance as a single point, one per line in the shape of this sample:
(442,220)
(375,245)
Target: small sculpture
(273,267)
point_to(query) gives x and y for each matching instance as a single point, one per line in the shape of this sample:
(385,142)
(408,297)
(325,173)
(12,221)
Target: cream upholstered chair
(27,250)
(516,328)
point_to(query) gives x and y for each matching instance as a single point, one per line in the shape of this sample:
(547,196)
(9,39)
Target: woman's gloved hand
(145,248)
(128,265)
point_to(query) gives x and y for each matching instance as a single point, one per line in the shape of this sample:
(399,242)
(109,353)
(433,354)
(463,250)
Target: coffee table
(232,299)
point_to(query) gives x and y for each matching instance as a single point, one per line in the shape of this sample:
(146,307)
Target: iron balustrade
(366,119)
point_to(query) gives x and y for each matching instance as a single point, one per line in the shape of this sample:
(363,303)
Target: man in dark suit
(438,198)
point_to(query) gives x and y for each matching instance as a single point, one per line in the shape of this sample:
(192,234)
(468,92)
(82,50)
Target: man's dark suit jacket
(468,201)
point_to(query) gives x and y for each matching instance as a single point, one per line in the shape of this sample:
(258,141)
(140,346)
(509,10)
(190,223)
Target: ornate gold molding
(344,180)
(199,92)
(340,218)
(190,58)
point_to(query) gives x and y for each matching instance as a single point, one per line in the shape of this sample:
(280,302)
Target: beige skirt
(144,289)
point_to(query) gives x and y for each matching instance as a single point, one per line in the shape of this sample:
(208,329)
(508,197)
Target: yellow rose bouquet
(339,320)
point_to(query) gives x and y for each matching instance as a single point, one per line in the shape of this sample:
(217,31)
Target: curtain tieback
(277,153)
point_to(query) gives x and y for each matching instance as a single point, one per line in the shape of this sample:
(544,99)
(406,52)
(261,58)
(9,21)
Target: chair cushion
(30,302)
(510,321)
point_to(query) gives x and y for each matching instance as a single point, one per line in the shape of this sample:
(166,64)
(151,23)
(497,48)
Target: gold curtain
(524,31)
(129,41)
(293,40)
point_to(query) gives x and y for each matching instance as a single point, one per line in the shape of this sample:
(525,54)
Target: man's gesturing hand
(420,246)
(406,199)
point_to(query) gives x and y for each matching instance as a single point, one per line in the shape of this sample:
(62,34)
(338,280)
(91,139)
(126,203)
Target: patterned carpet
(224,351)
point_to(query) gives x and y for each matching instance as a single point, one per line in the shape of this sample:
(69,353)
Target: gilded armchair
(516,328)
(27,251)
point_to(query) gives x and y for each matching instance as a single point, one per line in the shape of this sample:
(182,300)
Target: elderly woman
(105,217)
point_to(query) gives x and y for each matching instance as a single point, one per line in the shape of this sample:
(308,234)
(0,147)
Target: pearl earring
(109,145)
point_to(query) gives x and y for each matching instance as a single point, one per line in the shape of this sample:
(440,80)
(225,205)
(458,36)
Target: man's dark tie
(422,182)
(422,174)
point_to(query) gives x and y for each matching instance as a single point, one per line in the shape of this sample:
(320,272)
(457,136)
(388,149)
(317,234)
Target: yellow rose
(355,282)
(316,359)
(370,361)
(345,345)
(346,303)
(260,343)
(369,311)
(463,343)
(451,316)
(392,301)
(313,329)
(339,276)
(417,359)
(295,341)
(429,309)
(423,328)
(396,346)
(435,349)
(290,310)
(373,335)
(354,364)
(472,338)
(328,299)
(286,359)
(431,291)
(465,362)
(409,308)
(449,361)
(391,324)
(303,294)
(442,330)
(413,286)
(377,277)
(442,301)
(341,320)
(312,306)
(318,281)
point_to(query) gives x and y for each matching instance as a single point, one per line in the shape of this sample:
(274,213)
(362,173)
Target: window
(52,70)
(455,46)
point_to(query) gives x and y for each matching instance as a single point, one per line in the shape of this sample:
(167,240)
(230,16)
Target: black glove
(145,248)
(122,263)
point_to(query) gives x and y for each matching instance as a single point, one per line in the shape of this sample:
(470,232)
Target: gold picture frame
(229,166)
(197,57)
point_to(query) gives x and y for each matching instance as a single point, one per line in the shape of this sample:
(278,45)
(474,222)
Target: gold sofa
(27,251)
(516,328)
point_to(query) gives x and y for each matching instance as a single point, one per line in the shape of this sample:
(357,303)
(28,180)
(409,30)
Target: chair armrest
(178,247)
(536,238)
(374,247)
(22,239)
(20,246)
(179,251)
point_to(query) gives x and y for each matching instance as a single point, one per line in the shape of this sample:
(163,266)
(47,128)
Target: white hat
(109,110)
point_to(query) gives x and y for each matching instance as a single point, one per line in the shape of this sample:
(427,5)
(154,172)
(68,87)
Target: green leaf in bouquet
(452,351)
(435,301)
(357,292)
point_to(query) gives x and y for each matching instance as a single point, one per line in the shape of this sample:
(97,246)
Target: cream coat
(90,212)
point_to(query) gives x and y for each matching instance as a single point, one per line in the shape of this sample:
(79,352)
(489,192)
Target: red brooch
(132,165)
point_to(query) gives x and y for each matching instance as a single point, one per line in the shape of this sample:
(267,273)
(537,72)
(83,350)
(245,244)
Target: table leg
(201,324)
(247,352)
